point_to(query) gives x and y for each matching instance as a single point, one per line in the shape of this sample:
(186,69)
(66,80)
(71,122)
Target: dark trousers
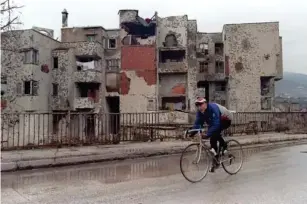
(217,137)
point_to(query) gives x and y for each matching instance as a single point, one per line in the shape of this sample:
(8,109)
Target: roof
(31,29)
(265,22)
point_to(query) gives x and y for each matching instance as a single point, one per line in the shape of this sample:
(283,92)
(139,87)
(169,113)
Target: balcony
(94,49)
(87,76)
(211,77)
(173,67)
(84,102)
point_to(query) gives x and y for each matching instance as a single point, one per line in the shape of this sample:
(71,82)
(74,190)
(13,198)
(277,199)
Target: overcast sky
(210,15)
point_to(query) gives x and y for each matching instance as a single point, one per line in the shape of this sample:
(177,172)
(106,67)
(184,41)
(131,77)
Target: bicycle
(203,149)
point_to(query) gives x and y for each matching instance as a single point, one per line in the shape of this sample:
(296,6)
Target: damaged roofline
(85,27)
(121,10)
(31,29)
(264,22)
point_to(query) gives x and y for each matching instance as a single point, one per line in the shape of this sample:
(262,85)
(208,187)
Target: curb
(74,160)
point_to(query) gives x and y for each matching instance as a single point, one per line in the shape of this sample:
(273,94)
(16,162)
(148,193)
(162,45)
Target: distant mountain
(292,85)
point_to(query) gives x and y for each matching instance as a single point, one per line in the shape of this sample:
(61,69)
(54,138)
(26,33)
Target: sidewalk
(23,159)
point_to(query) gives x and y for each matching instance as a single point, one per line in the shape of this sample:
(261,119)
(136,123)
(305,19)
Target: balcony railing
(30,130)
(84,102)
(173,67)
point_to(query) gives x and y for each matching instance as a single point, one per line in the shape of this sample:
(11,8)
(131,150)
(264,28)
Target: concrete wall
(79,34)
(12,61)
(177,25)
(172,84)
(279,67)
(252,50)
(210,39)
(63,76)
(192,63)
(138,78)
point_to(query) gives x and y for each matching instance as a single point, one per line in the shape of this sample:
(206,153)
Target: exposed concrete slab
(25,159)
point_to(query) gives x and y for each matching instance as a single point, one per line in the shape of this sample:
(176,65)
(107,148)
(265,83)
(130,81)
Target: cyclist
(218,118)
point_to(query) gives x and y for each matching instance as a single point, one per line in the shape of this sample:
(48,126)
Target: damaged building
(146,64)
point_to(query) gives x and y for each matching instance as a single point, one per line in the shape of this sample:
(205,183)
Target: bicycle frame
(202,144)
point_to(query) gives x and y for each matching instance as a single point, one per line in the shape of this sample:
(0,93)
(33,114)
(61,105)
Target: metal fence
(30,130)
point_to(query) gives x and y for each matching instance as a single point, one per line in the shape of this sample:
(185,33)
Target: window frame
(55,89)
(109,43)
(31,54)
(91,36)
(33,91)
(57,62)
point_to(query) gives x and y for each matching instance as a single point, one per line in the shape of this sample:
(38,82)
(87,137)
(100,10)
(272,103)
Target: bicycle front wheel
(232,161)
(194,163)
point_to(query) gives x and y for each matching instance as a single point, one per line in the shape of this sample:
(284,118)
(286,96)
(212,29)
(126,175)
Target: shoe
(213,152)
(212,169)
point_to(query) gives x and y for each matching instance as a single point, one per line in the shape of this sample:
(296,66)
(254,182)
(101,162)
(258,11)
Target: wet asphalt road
(275,176)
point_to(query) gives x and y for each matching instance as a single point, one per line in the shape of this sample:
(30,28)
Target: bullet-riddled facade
(146,64)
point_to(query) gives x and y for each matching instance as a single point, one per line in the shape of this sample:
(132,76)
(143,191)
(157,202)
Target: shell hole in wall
(170,41)
(239,66)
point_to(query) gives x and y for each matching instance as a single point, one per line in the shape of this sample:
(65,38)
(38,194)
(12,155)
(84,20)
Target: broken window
(218,47)
(266,103)
(221,102)
(85,63)
(203,89)
(31,56)
(55,62)
(31,88)
(170,41)
(173,103)
(265,85)
(204,48)
(203,67)
(90,37)
(55,89)
(112,65)
(3,84)
(172,56)
(219,67)
(90,90)
(220,86)
(112,43)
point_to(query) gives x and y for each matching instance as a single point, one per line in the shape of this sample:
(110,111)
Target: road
(275,176)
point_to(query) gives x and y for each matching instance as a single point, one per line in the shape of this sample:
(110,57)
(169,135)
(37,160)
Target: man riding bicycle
(218,119)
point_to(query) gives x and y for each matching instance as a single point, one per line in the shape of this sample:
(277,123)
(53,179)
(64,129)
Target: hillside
(292,84)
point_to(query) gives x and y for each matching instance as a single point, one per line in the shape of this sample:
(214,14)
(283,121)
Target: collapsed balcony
(140,27)
(87,94)
(172,61)
(173,103)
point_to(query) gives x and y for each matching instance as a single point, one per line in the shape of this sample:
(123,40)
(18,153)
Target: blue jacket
(212,116)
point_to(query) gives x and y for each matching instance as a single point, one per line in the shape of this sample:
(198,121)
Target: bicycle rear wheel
(196,156)
(232,161)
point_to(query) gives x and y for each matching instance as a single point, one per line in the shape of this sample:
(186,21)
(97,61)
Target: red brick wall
(141,59)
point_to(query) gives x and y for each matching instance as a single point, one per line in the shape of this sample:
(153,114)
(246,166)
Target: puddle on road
(112,172)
